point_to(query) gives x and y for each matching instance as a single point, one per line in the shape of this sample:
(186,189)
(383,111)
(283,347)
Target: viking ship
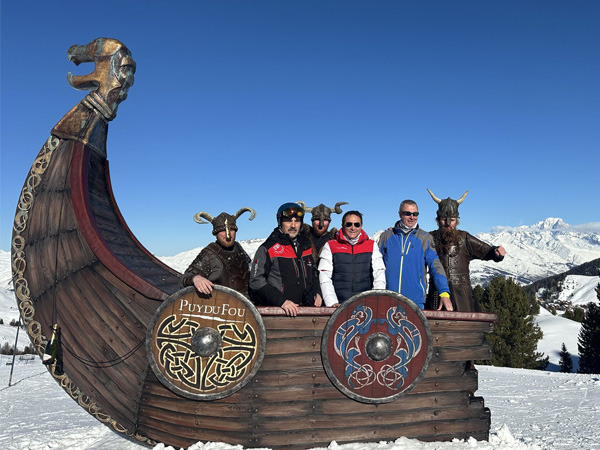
(158,363)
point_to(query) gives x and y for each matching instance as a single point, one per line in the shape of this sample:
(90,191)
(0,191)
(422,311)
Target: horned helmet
(223,222)
(447,208)
(322,212)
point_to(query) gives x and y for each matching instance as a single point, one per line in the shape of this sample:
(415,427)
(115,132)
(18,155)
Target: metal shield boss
(206,347)
(376,346)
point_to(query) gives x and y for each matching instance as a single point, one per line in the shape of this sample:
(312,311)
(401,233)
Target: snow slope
(558,330)
(579,289)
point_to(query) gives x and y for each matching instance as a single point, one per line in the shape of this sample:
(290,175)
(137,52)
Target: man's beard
(448,238)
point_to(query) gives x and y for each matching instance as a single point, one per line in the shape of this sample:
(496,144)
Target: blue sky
(256,103)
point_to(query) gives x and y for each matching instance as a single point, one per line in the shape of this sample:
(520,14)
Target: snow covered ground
(530,410)
(578,289)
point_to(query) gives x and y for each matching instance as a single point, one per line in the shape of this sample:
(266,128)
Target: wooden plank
(307,344)
(367,421)
(460,316)
(297,393)
(140,306)
(292,362)
(445,369)
(345,405)
(124,328)
(322,437)
(282,322)
(481,352)
(56,175)
(199,408)
(163,429)
(185,418)
(461,326)
(457,339)
(467,382)
(294,333)
(295,377)
(408,403)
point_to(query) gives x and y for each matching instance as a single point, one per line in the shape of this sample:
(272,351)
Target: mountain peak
(551,223)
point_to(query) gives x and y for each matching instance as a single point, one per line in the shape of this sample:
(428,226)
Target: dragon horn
(243,210)
(337,208)
(203,215)
(435,199)
(462,199)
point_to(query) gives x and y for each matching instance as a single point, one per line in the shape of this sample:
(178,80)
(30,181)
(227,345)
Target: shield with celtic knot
(206,347)
(376,346)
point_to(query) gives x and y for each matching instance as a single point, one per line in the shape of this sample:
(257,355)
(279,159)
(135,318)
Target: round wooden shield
(376,346)
(206,347)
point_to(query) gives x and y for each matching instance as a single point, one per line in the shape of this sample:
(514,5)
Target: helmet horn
(203,215)
(435,199)
(337,208)
(243,210)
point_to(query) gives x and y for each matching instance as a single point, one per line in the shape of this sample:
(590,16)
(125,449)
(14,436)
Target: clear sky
(256,103)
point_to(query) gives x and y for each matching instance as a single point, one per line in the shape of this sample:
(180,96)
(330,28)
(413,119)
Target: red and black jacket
(351,265)
(283,271)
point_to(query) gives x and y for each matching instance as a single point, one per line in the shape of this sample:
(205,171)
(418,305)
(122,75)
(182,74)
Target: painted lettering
(221,310)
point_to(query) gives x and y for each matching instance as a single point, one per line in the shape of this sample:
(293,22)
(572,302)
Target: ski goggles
(292,212)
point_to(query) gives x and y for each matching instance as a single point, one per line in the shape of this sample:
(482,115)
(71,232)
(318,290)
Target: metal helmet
(322,212)
(447,208)
(223,222)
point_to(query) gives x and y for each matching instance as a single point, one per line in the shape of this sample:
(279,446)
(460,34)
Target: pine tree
(478,292)
(515,335)
(589,339)
(575,314)
(566,363)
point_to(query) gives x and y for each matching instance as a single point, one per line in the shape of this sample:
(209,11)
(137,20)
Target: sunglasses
(408,213)
(293,212)
(349,224)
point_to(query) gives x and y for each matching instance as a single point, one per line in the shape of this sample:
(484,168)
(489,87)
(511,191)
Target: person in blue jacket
(407,253)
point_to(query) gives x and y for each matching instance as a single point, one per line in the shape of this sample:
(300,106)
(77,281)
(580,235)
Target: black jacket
(283,269)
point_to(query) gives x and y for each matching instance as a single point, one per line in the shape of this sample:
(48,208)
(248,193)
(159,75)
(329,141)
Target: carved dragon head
(113,73)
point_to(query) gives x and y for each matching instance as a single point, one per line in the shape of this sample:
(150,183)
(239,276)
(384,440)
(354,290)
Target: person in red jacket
(283,272)
(351,263)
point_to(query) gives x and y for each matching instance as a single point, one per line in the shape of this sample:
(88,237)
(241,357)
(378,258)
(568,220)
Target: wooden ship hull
(76,264)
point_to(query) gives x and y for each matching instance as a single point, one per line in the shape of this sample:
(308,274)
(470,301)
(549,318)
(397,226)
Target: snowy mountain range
(547,248)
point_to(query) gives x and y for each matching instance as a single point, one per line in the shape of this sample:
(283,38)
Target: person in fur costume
(319,233)
(456,249)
